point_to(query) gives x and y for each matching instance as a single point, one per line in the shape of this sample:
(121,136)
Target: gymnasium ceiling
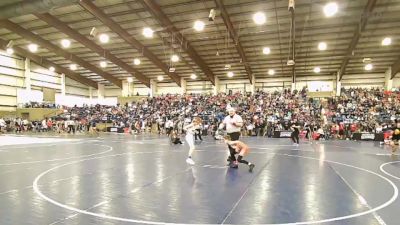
(207,52)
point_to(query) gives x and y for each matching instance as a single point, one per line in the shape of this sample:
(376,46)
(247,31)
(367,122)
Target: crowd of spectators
(41,105)
(371,110)
(355,110)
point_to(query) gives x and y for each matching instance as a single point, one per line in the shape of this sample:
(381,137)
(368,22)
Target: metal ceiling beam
(395,68)
(357,35)
(163,19)
(32,6)
(57,50)
(47,64)
(115,27)
(61,26)
(234,36)
(130,21)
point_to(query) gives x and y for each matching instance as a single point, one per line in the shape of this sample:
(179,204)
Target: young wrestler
(395,139)
(295,132)
(190,130)
(242,149)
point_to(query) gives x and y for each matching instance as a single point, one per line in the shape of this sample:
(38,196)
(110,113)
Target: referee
(233,124)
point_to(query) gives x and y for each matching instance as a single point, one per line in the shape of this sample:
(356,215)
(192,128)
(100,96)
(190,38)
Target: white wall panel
(396,82)
(141,89)
(25,96)
(73,87)
(70,90)
(11,72)
(71,100)
(11,80)
(42,84)
(112,91)
(11,62)
(46,78)
(8,90)
(8,100)
(199,87)
(70,82)
(7,108)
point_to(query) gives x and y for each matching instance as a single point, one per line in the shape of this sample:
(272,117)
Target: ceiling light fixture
(136,61)
(65,43)
(259,18)
(103,64)
(317,70)
(33,47)
(271,72)
(104,38)
(322,46)
(130,79)
(73,67)
(160,78)
(193,76)
(10,51)
(330,9)
(199,25)
(266,50)
(174,58)
(52,69)
(230,74)
(368,67)
(148,32)
(386,41)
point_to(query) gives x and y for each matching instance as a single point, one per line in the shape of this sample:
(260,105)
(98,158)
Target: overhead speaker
(93,32)
(10,43)
(291,4)
(211,16)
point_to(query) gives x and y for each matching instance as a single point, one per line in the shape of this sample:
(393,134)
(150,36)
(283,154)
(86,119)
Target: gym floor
(124,179)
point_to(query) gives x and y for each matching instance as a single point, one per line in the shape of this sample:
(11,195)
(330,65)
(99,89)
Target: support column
(127,89)
(338,84)
(62,84)
(293,86)
(100,92)
(153,88)
(124,91)
(183,86)
(28,74)
(131,89)
(90,94)
(253,84)
(388,81)
(216,86)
